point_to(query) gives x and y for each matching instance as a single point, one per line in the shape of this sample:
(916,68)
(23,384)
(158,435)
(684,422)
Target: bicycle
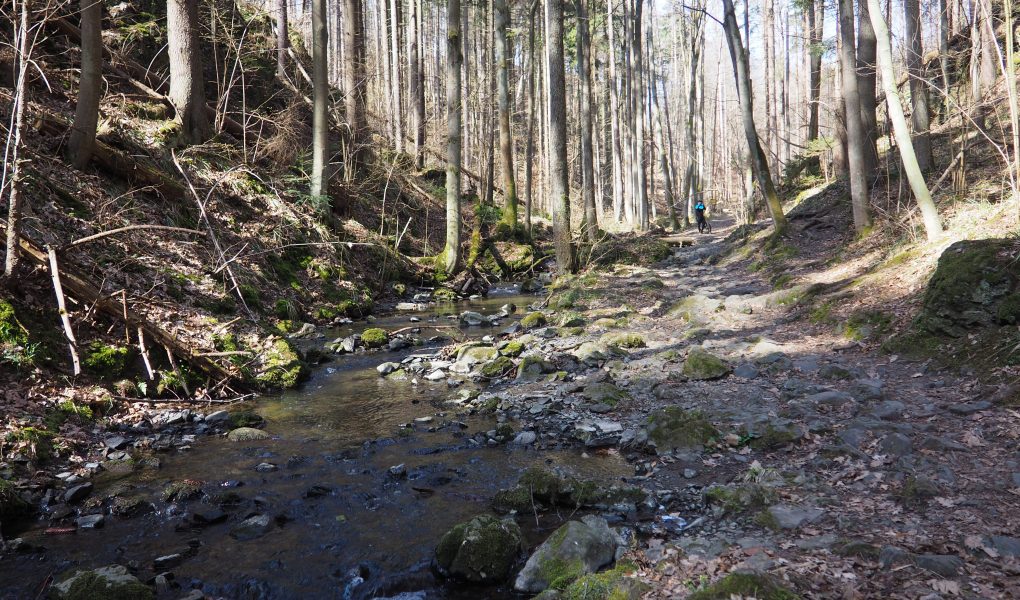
(704,226)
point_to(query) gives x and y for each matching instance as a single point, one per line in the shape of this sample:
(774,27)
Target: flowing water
(340,516)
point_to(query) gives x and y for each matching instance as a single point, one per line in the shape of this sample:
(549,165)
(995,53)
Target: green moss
(374,337)
(505,432)
(481,550)
(186,489)
(859,549)
(245,418)
(91,586)
(740,497)
(744,585)
(533,320)
(772,438)
(12,332)
(571,319)
(1009,310)
(499,367)
(673,427)
(285,309)
(105,361)
(623,340)
(566,299)
(512,349)
(702,365)
(613,584)
(281,366)
(781,281)
(11,504)
(560,573)
(917,491)
(767,520)
(444,296)
(866,324)
(822,314)
(250,295)
(65,410)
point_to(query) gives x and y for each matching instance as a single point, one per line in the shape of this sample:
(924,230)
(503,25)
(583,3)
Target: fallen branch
(110,232)
(58,289)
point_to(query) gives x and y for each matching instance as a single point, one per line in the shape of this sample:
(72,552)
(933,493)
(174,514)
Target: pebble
(90,521)
(398,470)
(525,438)
(77,493)
(265,467)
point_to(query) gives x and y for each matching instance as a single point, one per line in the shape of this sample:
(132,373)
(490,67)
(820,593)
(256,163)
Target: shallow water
(338,512)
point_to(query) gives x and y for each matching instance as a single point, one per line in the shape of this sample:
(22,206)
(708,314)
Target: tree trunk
(187,82)
(866,86)
(417,81)
(354,82)
(815,23)
(667,180)
(918,87)
(86,113)
(396,106)
(454,62)
(557,100)
(320,97)
(616,151)
(589,224)
(529,151)
(742,76)
(13,151)
(856,138)
(506,142)
(282,39)
(638,103)
(932,225)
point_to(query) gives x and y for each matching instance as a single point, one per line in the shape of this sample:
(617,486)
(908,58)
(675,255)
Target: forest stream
(360,491)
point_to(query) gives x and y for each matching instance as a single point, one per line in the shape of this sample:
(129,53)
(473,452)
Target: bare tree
(918,86)
(856,139)
(815,26)
(932,225)
(557,103)
(742,76)
(12,173)
(187,81)
(506,142)
(354,82)
(454,64)
(320,98)
(417,76)
(589,223)
(86,113)
(866,86)
(282,39)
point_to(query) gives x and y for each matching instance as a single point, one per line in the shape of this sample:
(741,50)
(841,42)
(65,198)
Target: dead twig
(65,319)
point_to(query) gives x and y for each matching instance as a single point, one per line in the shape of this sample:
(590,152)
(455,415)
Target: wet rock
(746,371)
(77,493)
(386,368)
(482,550)
(247,434)
(788,516)
(895,444)
(252,528)
(116,442)
(219,416)
(702,365)
(111,583)
(531,286)
(204,517)
(474,319)
(436,375)
(398,471)
(90,521)
(265,467)
(526,438)
(575,549)
(474,354)
(167,562)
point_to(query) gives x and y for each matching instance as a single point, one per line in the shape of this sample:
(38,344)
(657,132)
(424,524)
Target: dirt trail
(844,471)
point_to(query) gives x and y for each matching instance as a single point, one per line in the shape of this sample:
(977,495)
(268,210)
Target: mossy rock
(247,434)
(512,349)
(623,340)
(566,299)
(483,550)
(674,427)
(106,361)
(773,438)
(245,418)
(12,505)
(499,367)
(281,366)
(107,583)
(744,585)
(571,319)
(533,320)
(740,497)
(532,368)
(613,584)
(444,296)
(374,337)
(703,365)
(605,393)
(186,489)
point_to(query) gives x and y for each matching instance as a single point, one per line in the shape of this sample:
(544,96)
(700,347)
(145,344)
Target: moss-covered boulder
(482,550)
(374,337)
(247,434)
(532,368)
(476,353)
(744,585)
(281,365)
(703,365)
(109,583)
(674,427)
(533,320)
(623,340)
(605,393)
(571,319)
(975,284)
(12,506)
(613,584)
(498,367)
(105,361)
(539,489)
(512,348)
(572,551)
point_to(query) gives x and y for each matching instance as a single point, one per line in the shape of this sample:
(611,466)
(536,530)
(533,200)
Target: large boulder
(674,427)
(703,365)
(572,551)
(482,550)
(975,284)
(110,583)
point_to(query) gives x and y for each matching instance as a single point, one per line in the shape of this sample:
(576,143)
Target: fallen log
(89,293)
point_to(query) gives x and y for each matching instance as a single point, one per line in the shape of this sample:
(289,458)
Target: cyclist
(699,214)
